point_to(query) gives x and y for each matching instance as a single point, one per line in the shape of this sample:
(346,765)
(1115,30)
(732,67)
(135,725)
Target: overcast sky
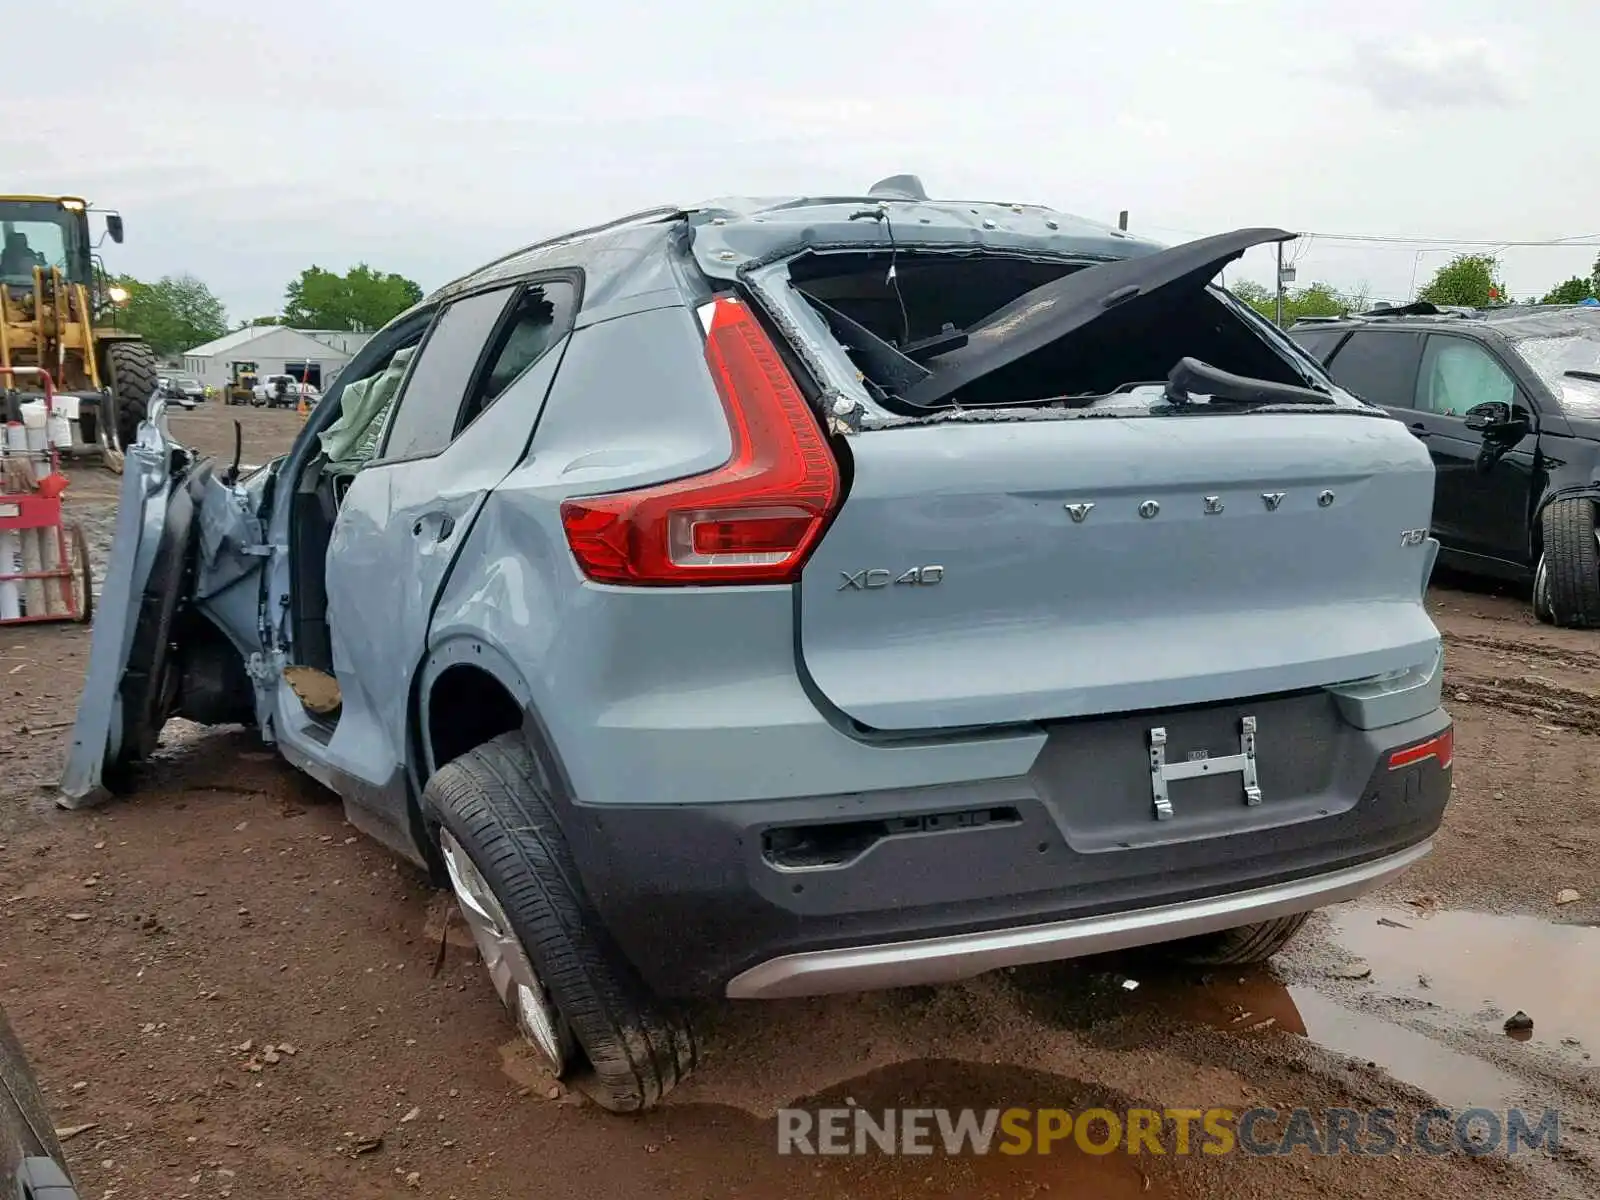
(428,137)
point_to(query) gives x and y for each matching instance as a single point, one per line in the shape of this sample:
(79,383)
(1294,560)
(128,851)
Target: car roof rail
(1417,308)
(644,216)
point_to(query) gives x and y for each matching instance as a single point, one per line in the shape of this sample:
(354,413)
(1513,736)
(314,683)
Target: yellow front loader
(56,310)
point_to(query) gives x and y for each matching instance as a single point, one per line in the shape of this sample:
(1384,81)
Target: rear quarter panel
(656,695)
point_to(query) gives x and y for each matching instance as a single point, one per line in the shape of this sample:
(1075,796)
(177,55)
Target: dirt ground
(156,948)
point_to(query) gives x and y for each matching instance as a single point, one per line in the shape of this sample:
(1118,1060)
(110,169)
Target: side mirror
(1489,417)
(114,227)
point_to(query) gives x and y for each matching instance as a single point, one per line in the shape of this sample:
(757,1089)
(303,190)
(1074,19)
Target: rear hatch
(1064,514)
(992,573)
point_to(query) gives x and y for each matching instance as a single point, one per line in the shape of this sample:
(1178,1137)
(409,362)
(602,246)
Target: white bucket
(10,564)
(17,443)
(35,425)
(59,429)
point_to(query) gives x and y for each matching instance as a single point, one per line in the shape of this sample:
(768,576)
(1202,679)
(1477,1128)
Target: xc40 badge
(880,577)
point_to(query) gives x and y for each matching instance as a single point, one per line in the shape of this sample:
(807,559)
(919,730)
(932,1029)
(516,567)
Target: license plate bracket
(1163,772)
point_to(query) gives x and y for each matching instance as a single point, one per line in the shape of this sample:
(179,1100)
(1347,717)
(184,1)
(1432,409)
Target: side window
(1380,366)
(1458,373)
(1317,342)
(424,416)
(539,318)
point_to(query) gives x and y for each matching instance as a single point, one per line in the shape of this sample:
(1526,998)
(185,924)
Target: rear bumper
(942,959)
(907,886)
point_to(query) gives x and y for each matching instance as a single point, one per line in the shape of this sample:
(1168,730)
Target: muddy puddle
(1483,968)
(1416,994)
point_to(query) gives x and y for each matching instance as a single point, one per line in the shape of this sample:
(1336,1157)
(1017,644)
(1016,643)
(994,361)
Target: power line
(1577,239)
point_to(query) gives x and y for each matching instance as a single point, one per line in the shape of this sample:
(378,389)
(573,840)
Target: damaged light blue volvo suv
(778,597)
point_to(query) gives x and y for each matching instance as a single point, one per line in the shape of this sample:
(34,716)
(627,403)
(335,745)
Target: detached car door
(461,423)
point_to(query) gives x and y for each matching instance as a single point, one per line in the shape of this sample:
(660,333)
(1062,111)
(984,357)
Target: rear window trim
(515,289)
(783,303)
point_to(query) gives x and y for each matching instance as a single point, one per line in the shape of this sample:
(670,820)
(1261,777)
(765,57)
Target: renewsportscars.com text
(1167,1131)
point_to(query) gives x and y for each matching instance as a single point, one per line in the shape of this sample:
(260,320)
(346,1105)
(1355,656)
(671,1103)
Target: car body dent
(386,629)
(732,235)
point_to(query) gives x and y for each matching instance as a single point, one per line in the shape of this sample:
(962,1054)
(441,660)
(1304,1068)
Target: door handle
(443,525)
(1421,431)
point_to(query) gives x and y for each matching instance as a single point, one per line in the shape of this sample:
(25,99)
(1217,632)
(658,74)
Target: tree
(174,314)
(1467,279)
(361,299)
(1574,291)
(1257,295)
(1318,300)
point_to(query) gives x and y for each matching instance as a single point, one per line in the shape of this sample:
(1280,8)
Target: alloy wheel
(511,970)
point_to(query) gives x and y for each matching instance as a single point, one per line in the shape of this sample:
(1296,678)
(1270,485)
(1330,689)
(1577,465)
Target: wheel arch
(470,672)
(1553,494)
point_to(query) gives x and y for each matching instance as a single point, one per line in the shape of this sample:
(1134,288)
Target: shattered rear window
(1553,357)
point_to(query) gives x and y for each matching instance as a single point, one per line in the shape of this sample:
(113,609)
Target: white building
(316,354)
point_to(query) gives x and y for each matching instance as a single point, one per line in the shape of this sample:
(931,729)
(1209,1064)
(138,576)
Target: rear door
(462,421)
(1489,510)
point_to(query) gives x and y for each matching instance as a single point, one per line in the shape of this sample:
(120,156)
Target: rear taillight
(1441,747)
(756,518)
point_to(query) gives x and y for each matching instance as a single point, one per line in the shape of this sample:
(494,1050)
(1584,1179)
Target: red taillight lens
(756,518)
(1442,747)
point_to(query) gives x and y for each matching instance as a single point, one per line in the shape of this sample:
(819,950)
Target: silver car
(768,598)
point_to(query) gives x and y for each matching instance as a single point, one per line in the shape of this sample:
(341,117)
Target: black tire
(1244,945)
(1572,563)
(130,375)
(495,802)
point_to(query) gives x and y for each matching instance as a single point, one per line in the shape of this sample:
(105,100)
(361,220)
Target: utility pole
(1280,285)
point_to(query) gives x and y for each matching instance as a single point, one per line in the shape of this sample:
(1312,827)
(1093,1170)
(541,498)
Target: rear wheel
(1238,947)
(1571,563)
(566,985)
(131,377)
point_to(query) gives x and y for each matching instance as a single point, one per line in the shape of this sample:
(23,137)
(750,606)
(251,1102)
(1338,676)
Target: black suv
(1507,401)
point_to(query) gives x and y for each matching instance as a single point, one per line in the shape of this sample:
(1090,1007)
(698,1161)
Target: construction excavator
(57,311)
